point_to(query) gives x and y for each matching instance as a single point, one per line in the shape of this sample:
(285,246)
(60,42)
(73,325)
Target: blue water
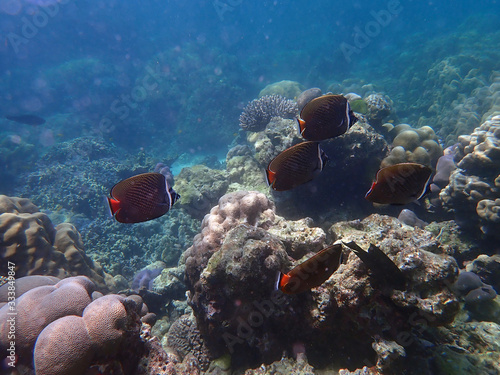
(230,51)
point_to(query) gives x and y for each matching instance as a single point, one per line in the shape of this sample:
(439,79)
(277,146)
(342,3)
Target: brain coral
(473,193)
(61,331)
(31,242)
(43,305)
(257,114)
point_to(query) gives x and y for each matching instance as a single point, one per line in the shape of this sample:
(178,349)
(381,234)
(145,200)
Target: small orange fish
(311,273)
(141,198)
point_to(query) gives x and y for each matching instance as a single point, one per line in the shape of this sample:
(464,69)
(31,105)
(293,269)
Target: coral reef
(379,106)
(413,145)
(257,114)
(67,329)
(285,88)
(488,268)
(231,269)
(117,248)
(200,187)
(473,193)
(36,247)
(84,169)
(244,172)
(252,208)
(185,338)
(278,135)
(360,150)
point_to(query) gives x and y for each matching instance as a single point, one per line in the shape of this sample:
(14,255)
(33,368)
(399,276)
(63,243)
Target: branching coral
(257,114)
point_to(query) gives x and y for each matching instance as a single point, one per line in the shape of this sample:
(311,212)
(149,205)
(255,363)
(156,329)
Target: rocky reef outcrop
(231,271)
(473,193)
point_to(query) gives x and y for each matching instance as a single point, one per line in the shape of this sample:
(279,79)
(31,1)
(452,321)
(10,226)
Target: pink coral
(242,207)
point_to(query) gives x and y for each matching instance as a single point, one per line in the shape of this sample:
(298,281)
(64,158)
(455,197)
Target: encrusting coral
(473,193)
(36,247)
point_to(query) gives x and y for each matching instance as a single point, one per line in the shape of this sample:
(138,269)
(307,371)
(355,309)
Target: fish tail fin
(112,204)
(302,125)
(270,177)
(279,275)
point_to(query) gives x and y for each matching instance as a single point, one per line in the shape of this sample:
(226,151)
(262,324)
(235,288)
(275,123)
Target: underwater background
(126,88)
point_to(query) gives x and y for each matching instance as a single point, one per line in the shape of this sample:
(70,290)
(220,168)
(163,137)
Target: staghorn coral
(257,114)
(473,193)
(30,240)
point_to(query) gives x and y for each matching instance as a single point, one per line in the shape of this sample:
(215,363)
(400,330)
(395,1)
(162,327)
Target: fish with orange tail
(141,198)
(311,273)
